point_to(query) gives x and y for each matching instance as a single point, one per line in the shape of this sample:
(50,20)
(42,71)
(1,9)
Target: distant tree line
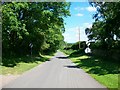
(73,49)
(39,23)
(75,46)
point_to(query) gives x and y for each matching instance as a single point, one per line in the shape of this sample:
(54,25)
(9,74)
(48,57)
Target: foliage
(39,23)
(106,28)
(97,45)
(68,46)
(79,52)
(76,45)
(72,49)
(68,52)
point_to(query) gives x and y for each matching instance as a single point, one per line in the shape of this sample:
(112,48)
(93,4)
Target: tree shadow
(63,57)
(13,61)
(95,65)
(79,53)
(98,66)
(72,66)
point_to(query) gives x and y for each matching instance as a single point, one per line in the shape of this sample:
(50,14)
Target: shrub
(78,52)
(76,45)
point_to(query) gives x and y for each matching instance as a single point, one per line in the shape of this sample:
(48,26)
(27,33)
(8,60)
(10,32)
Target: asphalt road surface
(59,72)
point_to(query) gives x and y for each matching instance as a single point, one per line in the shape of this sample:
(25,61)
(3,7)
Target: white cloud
(91,9)
(87,25)
(79,8)
(79,14)
(83,36)
(66,34)
(76,8)
(72,34)
(69,35)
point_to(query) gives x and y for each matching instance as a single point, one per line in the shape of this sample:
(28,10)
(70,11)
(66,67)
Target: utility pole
(79,36)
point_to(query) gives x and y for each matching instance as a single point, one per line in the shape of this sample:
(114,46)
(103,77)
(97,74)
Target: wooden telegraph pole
(79,36)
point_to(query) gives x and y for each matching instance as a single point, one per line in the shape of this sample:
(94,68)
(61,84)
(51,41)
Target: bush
(116,45)
(76,45)
(98,45)
(78,52)
(67,48)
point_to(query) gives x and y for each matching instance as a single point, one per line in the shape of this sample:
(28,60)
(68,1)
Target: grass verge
(24,64)
(68,52)
(104,71)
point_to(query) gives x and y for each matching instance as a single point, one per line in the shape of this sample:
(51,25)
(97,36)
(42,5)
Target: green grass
(109,80)
(24,64)
(19,68)
(68,52)
(104,71)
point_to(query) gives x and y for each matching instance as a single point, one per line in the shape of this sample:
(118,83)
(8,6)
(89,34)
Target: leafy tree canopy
(39,23)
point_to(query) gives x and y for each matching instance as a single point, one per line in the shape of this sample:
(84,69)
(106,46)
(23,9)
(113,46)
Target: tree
(39,23)
(106,25)
(76,45)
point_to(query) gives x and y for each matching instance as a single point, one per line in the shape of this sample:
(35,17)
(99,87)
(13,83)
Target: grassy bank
(103,71)
(68,52)
(23,64)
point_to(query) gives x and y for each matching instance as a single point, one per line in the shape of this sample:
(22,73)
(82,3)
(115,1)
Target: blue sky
(81,17)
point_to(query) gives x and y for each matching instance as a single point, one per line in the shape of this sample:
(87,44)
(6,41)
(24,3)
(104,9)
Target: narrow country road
(59,72)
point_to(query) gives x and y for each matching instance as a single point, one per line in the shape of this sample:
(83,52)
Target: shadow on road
(62,57)
(72,66)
